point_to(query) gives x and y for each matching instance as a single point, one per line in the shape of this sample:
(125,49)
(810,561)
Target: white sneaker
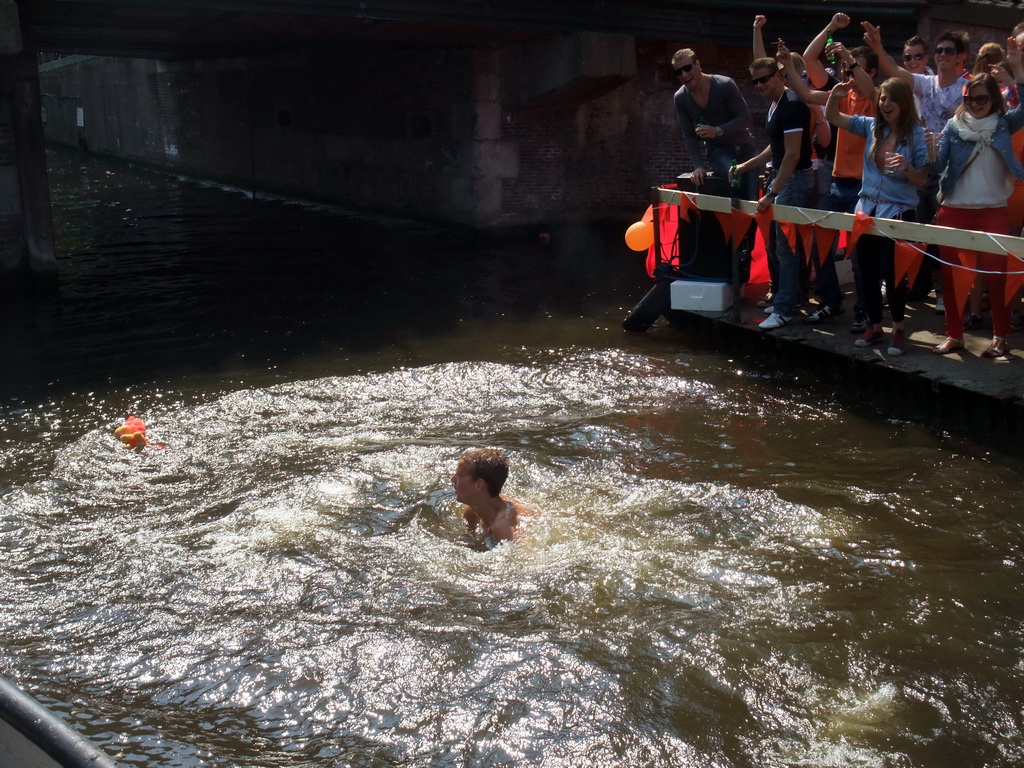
(775,320)
(770,309)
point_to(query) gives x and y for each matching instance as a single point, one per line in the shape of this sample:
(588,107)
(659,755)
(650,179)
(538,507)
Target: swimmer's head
(487,464)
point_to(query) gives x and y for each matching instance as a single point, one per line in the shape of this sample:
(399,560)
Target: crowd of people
(852,129)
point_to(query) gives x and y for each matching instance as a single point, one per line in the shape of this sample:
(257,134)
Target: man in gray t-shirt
(711,110)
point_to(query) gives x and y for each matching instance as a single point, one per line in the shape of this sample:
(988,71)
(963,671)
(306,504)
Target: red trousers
(996,221)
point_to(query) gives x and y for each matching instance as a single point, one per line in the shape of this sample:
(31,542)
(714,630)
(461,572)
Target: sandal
(949,345)
(997,348)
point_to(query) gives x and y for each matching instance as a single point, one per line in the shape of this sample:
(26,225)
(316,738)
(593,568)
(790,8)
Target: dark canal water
(731,569)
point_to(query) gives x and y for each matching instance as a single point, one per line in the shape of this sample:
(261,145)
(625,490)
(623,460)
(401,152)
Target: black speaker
(704,251)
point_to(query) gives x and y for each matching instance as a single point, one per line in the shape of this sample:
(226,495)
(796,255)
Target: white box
(700,296)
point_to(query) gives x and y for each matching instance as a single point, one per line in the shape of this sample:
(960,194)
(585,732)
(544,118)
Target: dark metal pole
(30,157)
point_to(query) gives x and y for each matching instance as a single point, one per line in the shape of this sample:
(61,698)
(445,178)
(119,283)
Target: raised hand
(839,21)
(841,51)
(839,91)
(1013,52)
(872,35)
(760,21)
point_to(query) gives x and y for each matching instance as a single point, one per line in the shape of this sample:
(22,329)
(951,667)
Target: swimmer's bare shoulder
(506,526)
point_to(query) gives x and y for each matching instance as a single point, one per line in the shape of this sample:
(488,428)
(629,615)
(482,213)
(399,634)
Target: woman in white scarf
(978,168)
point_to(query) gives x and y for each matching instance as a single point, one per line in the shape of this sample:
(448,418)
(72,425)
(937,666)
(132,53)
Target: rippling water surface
(730,569)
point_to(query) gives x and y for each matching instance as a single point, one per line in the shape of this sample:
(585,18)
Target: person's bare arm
(759,49)
(888,65)
(864,81)
(796,82)
(832,113)
(758,161)
(1013,59)
(812,53)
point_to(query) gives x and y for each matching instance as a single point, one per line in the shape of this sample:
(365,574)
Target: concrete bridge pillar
(26,224)
(492,158)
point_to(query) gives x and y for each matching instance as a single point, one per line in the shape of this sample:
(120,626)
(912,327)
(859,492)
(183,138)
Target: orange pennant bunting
(1014,277)
(907,261)
(740,226)
(807,238)
(725,219)
(789,231)
(963,280)
(686,206)
(823,239)
(862,224)
(764,224)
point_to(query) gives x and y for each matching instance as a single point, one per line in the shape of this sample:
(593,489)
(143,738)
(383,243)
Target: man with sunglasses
(915,56)
(711,109)
(789,150)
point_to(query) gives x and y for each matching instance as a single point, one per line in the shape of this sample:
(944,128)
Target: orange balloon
(640,236)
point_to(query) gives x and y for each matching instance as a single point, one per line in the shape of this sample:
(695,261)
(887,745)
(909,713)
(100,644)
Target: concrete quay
(962,393)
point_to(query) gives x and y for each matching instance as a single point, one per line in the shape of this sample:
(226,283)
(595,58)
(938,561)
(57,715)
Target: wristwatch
(854,65)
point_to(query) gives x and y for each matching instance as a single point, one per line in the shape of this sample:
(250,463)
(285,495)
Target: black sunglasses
(913,56)
(981,100)
(684,68)
(761,80)
(949,50)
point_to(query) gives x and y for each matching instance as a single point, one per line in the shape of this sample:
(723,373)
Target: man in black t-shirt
(789,150)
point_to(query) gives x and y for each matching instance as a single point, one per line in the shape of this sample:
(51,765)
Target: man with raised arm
(940,94)
(858,69)
(789,149)
(711,110)
(817,75)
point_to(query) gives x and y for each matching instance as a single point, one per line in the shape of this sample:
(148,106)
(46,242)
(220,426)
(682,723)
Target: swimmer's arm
(469,516)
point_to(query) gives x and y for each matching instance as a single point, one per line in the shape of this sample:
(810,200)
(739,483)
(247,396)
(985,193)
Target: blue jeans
(796,192)
(842,197)
(722,156)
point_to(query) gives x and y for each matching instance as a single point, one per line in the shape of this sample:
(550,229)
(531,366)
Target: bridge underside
(191,29)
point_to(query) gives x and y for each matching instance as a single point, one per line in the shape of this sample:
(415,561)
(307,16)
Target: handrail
(34,730)
(908,232)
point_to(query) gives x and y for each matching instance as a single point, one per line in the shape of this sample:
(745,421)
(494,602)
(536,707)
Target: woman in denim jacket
(895,166)
(978,168)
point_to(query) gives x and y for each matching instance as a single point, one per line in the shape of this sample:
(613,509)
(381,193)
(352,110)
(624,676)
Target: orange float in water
(132,433)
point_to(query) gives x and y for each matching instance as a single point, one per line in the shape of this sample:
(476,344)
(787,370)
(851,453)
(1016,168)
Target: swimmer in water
(478,479)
